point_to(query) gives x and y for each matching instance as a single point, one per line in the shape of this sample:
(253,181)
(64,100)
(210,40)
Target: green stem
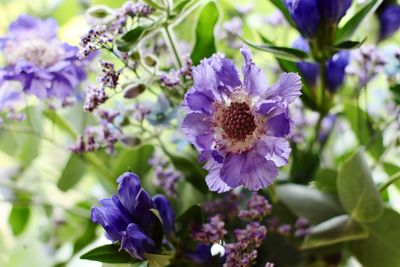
(322,88)
(392,179)
(172,43)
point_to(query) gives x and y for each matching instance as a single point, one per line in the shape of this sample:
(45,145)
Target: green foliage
(364,129)
(335,230)
(308,202)
(108,254)
(72,172)
(135,160)
(286,53)
(382,248)
(19,218)
(344,33)
(325,180)
(357,191)
(205,42)
(158,260)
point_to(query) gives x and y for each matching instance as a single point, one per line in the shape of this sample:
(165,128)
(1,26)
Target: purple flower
(243,252)
(35,57)
(311,15)
(211,232)
(389,21)
(257,208)
(240,128)
(335,67)
(128,218)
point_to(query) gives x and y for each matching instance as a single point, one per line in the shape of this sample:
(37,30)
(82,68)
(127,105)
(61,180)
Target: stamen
(238,121)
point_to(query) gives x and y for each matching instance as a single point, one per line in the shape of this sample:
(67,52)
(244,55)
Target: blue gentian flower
(129,220)
(335,67)
(35,57)
(389,21)
(311,15)
(240,128)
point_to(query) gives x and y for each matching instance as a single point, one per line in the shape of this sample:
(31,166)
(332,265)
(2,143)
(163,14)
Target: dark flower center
(238,121)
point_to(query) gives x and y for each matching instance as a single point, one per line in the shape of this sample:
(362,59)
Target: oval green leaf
(356,189)
(205,42)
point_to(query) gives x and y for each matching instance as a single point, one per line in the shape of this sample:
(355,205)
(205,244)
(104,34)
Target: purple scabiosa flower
(335,67)
(312,15)
(35,57)
(389,20)
(129,218)
(239,128)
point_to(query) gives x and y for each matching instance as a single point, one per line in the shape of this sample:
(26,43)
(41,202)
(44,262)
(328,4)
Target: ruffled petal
(255,81)
(199,101)
(213,179)
(198,130)
(136,242)
(288,87)
(279,125)
(250,169)
(275,149)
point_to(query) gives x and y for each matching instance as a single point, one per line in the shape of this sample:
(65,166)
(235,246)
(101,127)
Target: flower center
(238,121)
(40,52)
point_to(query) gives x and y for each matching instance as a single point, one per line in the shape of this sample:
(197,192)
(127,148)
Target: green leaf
(357,191)
(363,127)
(19,218)
(110,3)
(333,231)
(281,6)
(154,4)
(191,170)
(180,6)
(129,40)
(286,53)
(158,260)
(205,42)
(325,180)
(60,122)
(109,254)
(67,10)
(348,45)
(395,89)
(135,160)
(88,236)
(382,248)
(192,216)
(352,25)
(391,170)
(308,202)
(72,173)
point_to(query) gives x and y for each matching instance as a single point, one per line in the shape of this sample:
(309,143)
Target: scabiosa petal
(255,80)
(232,133)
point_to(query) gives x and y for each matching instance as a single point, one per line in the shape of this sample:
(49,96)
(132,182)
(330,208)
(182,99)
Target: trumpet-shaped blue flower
(389,21)
(129,218)
(311,15)
(335,68)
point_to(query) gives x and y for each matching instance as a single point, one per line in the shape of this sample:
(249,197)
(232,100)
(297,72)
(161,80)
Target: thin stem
(172,44)
(321,95)
(316,132)
(391,180)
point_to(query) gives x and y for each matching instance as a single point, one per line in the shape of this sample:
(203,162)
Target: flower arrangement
(130,136)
